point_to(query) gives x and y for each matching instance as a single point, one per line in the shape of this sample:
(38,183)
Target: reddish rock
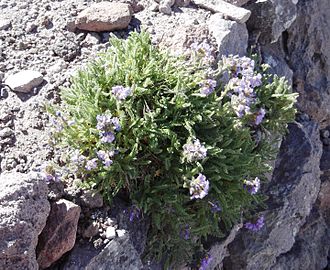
(59,234)
(104,16)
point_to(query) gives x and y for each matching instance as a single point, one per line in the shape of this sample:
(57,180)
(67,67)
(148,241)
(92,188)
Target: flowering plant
(189,144)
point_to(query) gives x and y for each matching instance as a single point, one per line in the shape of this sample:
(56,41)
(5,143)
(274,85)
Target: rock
(307,43)
(118,254)
(110,233)
(91,199)
(275,58)
(165,6)
(58,67)
(121,233)
(292,193)
(6,132)
(231,37)
(23,212)
(4,24)
(91,230)
(104,16)
(59,234)
(271,18)
(80,256)
(24,81)
(238,14)
(237,3)
(91,39)
(182,3)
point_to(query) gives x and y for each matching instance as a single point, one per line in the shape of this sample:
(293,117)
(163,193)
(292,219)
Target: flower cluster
(48,173)
(242,85)
(252,186)
(194,151)
(107,125)
(207,87)
(105,157)
(215,207)
(199,187)
(120,92)
(255,226)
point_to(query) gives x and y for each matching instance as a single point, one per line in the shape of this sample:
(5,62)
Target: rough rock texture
(293,191)
(308,50)
(238,3)
(23,212)
(24,81)
(59,234)
(231,37)
(118,254)
(104,16)
(270,18)
(228,10)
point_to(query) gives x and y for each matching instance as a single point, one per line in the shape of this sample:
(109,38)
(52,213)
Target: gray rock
(6,132)
(59,234)
(119,254)
(271,18)
(308,48)
(165,6)
(238,3)
(238,14)
(23,212)
(292,193)
(4,24)
(110,232)
(231,37)
(24,81)
(104,16)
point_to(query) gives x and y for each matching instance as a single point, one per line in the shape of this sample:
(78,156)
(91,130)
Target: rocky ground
(43,42)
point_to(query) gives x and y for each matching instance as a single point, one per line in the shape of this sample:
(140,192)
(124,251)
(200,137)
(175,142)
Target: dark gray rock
(308,49)
(292,193)
(270,18)
(119,254)
(23,212)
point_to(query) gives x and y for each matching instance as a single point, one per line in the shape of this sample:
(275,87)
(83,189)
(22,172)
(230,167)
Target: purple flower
(208,87)
(204,50)
(116,124)
(71,122)
(255,80)
(252,186)
(107,162)
(77,158)
(107,137)
(215,207)
(103,121)
(91,164)
(260,116)
(194,151)
(134,213)
(185,232)
(47,173)
(121,92)
(255,226)
(199,187)
(205,262)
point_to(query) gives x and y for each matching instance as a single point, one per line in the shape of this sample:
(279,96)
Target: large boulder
(23,212)
(270,18)
(59,234)
(104,16)
(292,193)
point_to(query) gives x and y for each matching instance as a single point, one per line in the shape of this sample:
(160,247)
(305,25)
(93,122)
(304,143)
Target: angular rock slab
(104,16)
(271,18)
(231,37)
(238,14)
(292,193)
(23,213)
(59,234)
(24,81)
(119,254)
(238,3)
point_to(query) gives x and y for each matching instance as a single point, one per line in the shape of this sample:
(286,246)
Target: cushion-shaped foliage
(186,142)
